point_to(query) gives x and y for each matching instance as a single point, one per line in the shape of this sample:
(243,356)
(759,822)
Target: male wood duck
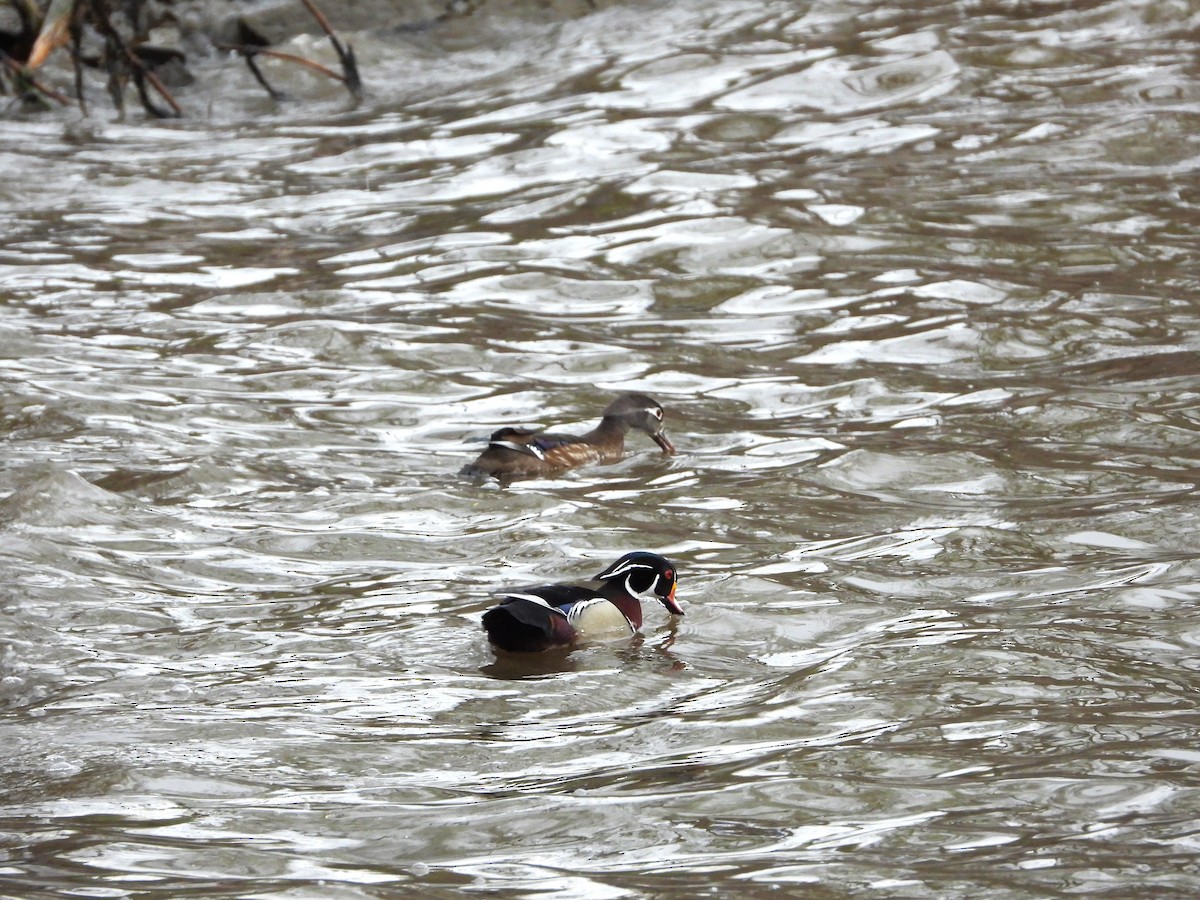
(517,453)
(560,615)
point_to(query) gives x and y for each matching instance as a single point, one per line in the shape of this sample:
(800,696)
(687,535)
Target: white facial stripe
(648,592)
(627,567)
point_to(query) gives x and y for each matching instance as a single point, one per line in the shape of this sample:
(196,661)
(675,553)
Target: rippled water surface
(919,291)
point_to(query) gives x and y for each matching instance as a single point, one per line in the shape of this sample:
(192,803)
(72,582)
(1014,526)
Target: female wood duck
(517,453)
(560,615)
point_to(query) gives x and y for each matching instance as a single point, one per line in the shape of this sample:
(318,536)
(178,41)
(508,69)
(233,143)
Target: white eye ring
(656,412)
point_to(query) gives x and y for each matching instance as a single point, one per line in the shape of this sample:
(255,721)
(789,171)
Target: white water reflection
(839,86)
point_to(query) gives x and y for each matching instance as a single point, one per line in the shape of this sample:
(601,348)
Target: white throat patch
(648,593)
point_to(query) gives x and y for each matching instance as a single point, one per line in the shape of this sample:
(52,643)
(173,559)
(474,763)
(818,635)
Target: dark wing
(525,623)
(517,452)
(558,596)
(547,442)
(517,440)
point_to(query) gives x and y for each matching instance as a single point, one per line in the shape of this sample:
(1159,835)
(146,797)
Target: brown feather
(505,457)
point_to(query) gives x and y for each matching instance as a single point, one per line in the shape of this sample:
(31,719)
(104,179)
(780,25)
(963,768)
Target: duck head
(643,413)
(644,576)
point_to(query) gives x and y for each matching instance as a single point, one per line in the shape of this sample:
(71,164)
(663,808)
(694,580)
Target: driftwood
(126,57)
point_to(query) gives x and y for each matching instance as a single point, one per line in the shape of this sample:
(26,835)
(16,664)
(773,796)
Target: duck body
(546,616)
(521,453)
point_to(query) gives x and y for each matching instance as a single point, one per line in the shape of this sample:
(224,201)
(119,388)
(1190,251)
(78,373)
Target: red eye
(668,574)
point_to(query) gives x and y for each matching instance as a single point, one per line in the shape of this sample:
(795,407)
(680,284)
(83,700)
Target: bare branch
(344,51)
(23,78)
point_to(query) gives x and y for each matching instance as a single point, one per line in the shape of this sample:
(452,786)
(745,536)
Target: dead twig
(65,22)
(122,61)
(344,51)
(250,50)
(77,56)
(261,78)
(54,31)
(142,75)
(23,81)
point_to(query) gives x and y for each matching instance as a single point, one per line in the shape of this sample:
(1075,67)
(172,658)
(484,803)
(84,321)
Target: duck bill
(671,603)
(665,442)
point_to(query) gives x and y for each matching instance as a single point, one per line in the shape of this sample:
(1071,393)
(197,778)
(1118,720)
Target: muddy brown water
(919,291)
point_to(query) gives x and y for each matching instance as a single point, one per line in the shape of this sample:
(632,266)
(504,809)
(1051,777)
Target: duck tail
(525,626)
